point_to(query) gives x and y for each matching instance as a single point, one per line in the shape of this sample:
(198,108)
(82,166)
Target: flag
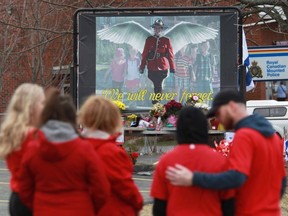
(245,58)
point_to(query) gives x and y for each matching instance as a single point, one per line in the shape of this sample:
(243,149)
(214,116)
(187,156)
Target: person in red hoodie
(102,122)
(21,118)
(61,174)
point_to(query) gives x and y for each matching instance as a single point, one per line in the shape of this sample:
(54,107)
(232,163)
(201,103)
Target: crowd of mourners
(58,170)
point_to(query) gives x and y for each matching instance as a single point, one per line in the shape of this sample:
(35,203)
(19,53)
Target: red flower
(134,155)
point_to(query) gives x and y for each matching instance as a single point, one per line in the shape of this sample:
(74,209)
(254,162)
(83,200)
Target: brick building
(37,41)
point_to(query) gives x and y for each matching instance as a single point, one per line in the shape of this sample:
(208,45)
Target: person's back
(184,201)
(281,92)
(67,173)
(60,173)
(102,122)
(193,152)
(260,158)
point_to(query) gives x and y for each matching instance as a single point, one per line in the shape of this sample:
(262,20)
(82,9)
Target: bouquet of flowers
(134,156)
(158,110)
(172,108)
(120,105)
(197,102)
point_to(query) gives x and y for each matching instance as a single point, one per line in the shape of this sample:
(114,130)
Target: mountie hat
(223,98)
(192,126)
(159,22)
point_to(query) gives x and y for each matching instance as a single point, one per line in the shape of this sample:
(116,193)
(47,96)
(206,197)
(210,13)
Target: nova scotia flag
(249,82)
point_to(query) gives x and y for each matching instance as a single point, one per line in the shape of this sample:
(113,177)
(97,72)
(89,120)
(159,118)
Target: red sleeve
(119,170)
(144,55)
(99,184)
(170,55)
(26,179)
(159,188)
(241,155)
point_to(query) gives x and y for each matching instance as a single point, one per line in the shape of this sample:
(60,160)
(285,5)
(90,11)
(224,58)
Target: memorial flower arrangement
(134,156)
(120,105)
(131,117)
(172,108)
(196,101)
(132,151)
(157,110)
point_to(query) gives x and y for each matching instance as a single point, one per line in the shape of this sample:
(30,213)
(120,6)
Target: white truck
(274,111)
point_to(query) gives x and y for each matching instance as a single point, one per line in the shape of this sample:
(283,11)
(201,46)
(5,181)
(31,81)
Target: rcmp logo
(255,70)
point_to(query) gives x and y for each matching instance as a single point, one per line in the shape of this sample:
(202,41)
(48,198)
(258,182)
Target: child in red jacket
(21,118)
(102,120)
(61,174)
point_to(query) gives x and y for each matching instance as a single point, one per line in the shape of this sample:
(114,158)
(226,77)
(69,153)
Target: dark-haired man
(255,164)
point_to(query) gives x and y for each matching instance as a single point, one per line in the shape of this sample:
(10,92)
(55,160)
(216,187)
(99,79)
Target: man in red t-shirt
(255,164)
(194,152)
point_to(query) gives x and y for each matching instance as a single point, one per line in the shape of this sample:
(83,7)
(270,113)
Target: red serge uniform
(63,178)
(157,57)
(186,201)
(125,197)
(255,156)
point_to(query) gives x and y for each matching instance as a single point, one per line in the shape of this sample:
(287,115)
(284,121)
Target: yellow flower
(131,117)
(120,105)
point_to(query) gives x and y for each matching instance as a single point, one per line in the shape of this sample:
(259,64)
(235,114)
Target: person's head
(204,47)
(192,126)
(228,107)
(99,113)
(281,83)
(119,53)
(58,107)
(132,52)
(158,26)
(23,112)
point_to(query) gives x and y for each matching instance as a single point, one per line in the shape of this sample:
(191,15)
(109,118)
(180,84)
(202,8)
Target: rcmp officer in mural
(159,57)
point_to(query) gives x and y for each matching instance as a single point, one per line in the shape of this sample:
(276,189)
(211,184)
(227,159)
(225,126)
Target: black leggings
(16,207)
(157,77)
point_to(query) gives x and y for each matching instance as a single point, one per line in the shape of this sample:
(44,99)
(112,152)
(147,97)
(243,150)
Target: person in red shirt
(60,173)
(255,164)
(158,56)
(102,122)
(194,152)
(21,118)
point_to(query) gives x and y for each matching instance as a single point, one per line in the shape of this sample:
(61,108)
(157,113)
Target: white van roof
(252,103)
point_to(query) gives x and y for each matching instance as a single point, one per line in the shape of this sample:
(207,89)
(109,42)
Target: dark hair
(192,126)
(58,107)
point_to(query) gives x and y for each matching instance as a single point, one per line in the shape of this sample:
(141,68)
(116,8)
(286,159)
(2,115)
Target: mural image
(176,57)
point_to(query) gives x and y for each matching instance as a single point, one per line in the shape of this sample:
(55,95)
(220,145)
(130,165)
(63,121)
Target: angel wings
(134,34)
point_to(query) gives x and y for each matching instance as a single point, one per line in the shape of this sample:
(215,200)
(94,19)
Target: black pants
(157,77)
(281,99)
(16,207)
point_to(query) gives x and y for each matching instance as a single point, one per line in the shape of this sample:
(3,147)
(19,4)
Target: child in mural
(132,75)
(117,69)
(182,74)
(203,69)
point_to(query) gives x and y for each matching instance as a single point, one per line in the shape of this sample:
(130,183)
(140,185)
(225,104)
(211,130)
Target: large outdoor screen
(142,57)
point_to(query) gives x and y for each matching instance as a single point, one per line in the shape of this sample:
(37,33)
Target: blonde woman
(102,122)
(61,174)
(22,116)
